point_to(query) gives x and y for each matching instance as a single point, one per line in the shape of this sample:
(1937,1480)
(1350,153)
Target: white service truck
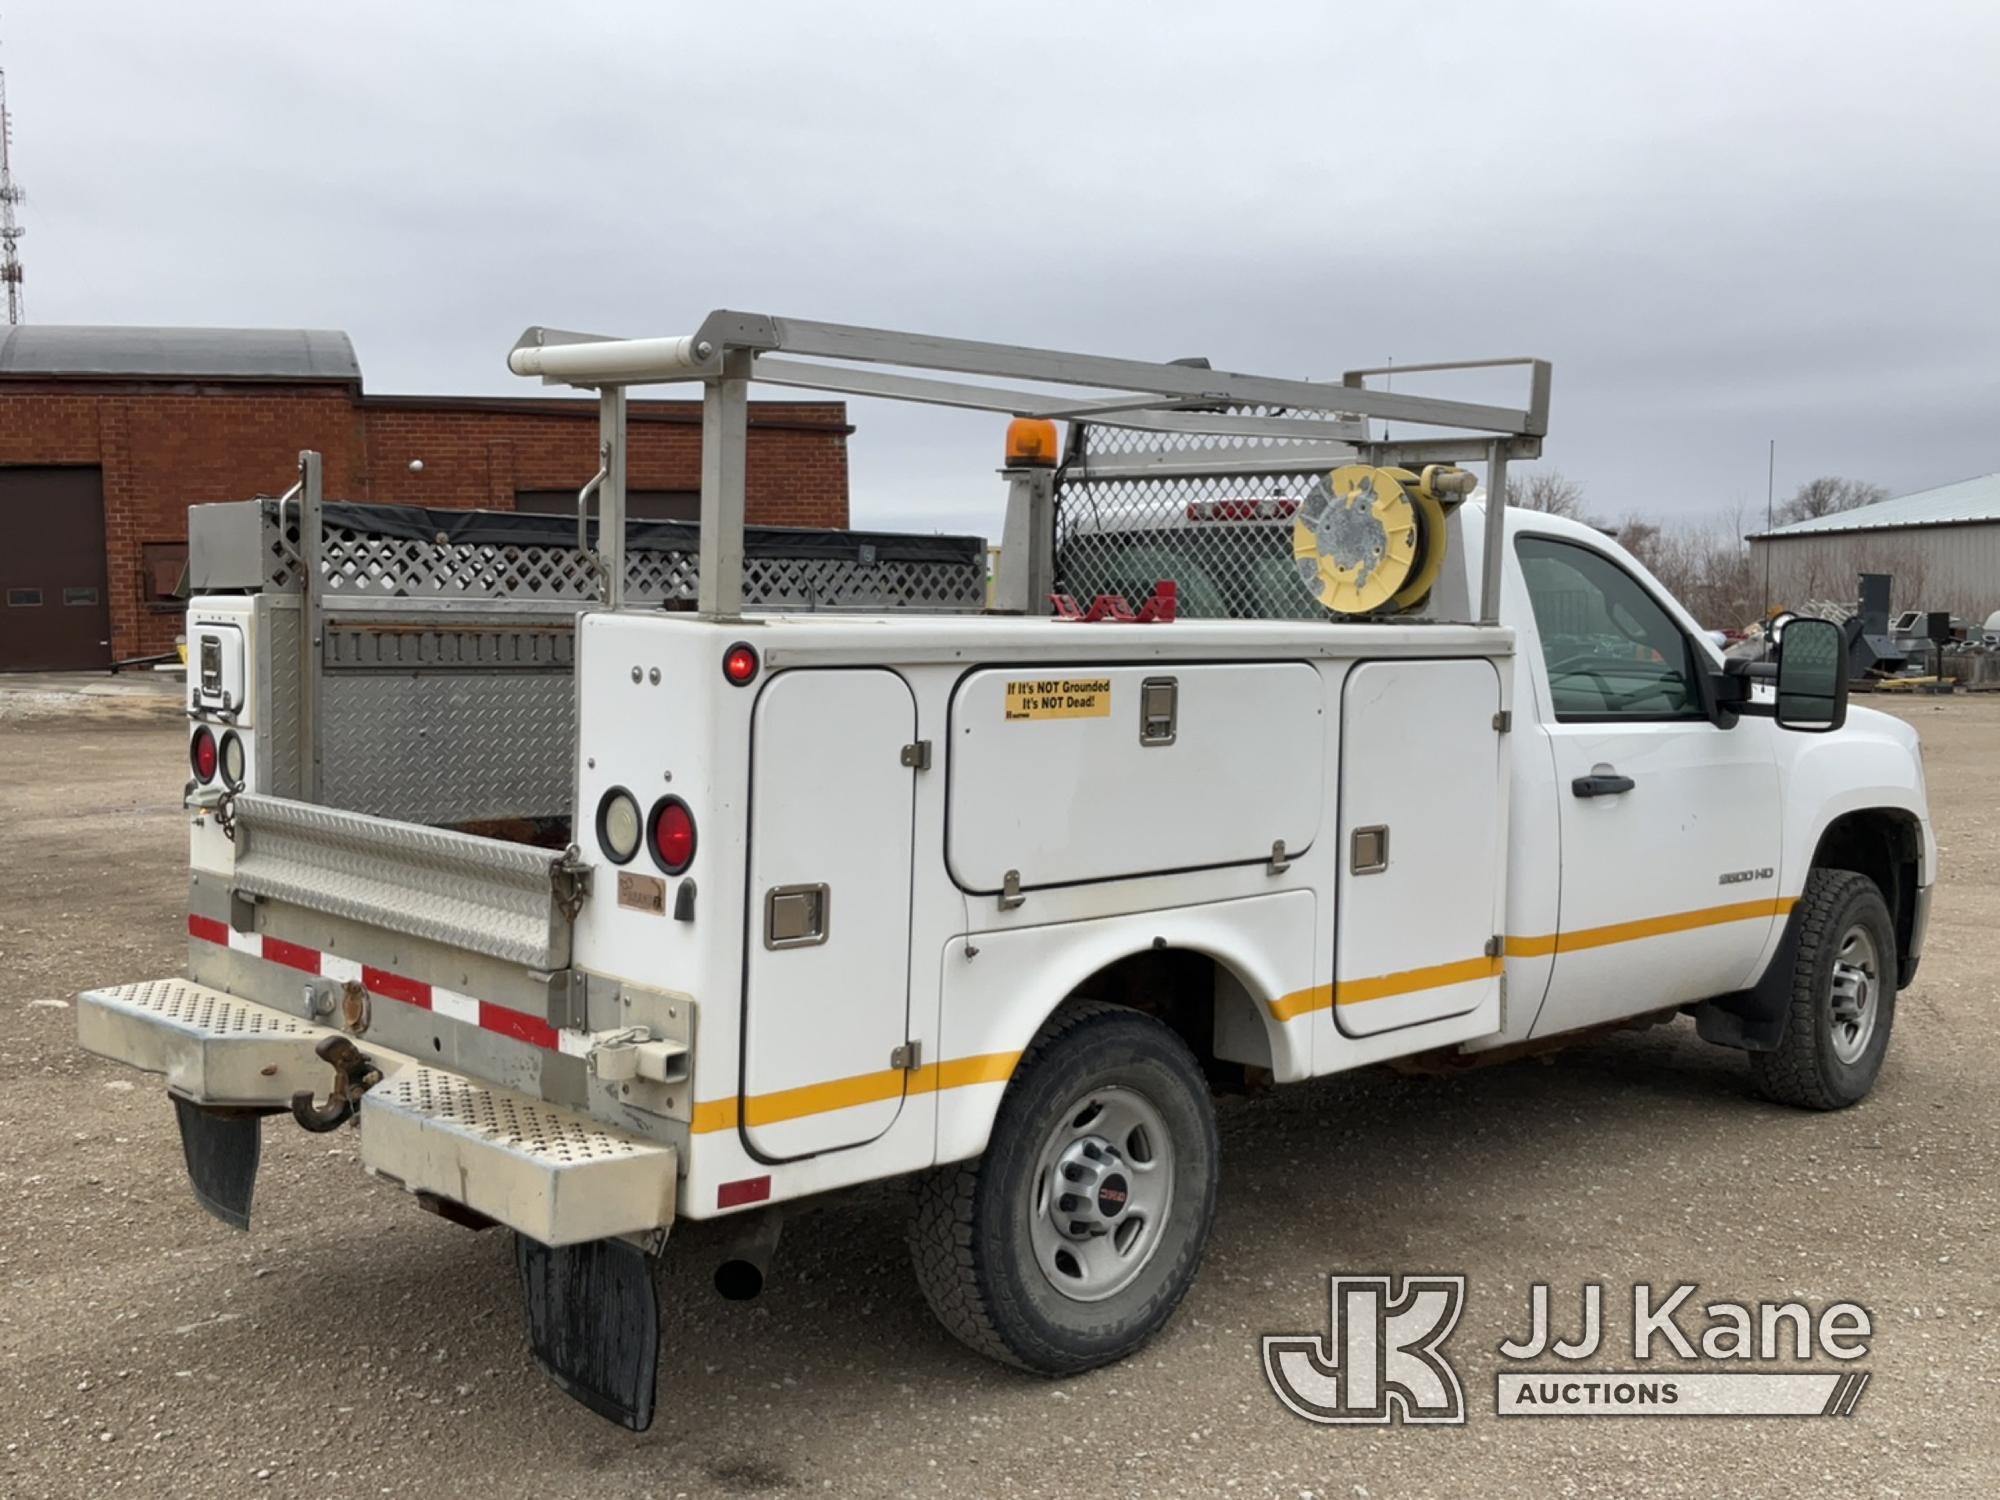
(644,880)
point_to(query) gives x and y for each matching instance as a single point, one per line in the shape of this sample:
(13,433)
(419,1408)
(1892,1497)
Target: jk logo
(1382,1362)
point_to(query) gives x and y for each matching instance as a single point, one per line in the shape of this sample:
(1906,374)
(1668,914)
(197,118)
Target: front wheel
(1073,1239)
(1843,997)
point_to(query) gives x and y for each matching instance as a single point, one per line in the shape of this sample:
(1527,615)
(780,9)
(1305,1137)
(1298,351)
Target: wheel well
(1200,997)
(1886,845)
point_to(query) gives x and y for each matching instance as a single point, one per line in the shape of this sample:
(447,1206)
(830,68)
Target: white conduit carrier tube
(611,359)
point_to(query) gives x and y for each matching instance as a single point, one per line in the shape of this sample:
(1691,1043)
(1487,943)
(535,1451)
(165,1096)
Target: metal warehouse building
(1941,547)
(107,435)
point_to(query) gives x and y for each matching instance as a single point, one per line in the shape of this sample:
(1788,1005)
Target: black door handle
(1601,786)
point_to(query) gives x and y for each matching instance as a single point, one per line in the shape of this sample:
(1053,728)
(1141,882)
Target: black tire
(1807,1069)
(970,1228)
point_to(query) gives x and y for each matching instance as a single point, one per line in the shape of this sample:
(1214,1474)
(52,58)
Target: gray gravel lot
(352,1345)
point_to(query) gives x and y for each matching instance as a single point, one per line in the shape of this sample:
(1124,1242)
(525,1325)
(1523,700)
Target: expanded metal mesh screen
(1224,538)
(358,562)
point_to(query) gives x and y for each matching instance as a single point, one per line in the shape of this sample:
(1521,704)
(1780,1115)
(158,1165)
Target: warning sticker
(1059,698)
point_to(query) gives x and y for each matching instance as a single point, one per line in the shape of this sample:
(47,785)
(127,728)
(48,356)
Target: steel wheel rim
(1854,993)
(1090,1243)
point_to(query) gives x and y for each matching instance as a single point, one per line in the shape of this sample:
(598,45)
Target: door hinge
(1010,890)
(1280,860)
(909,1057)
(1494,946)
(1504,720)
(917,755)
(569,878)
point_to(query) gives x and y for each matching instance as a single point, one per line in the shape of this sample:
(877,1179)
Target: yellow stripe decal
(845,1093)
(998,1067)
(1302,1002)
(1627,932)
(1409,981)
(960,1072)
(714,1114)
(1437,976)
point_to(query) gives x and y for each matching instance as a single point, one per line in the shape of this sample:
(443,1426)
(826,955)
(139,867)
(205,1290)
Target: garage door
(56,613)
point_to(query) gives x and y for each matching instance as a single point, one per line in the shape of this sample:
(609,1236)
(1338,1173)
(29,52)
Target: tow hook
(353,1076)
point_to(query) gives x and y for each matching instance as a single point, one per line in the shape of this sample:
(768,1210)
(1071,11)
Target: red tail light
(671,835)
(1241,510)
(739,663)
(201,755)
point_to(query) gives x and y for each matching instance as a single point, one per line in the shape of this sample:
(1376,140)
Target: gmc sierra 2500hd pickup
(661,875)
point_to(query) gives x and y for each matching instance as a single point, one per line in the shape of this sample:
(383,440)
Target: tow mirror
(1812,676)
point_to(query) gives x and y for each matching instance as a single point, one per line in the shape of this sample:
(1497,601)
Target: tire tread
(1790,1073)
(944,1220)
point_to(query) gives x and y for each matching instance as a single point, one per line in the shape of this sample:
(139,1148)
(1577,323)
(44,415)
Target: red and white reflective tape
(387,986)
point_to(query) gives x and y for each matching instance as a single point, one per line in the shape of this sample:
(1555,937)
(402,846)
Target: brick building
(107,435)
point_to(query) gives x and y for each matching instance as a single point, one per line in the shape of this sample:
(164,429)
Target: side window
(1611,650)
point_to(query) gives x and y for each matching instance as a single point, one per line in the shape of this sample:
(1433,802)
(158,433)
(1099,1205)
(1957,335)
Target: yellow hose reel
(1371,541)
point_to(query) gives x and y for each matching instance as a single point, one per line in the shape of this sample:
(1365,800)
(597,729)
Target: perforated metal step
(213,1048)
(556,1176)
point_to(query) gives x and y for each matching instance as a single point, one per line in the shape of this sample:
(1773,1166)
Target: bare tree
(1548,490)
(1827,496)
(1704,564)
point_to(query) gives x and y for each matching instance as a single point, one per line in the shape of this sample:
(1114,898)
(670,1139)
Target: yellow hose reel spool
(1367,540)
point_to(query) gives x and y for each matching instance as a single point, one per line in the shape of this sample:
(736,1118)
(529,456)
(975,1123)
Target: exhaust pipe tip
(739,1280)
(746,1255)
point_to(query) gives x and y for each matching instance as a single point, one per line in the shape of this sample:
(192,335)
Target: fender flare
(1754,1019)
(976,1021)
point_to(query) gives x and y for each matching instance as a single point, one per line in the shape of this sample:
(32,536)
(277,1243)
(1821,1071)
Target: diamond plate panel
(278,739)
(480,894)
(448,747)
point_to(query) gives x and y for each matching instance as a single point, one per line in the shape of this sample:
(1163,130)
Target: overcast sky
(1723,222)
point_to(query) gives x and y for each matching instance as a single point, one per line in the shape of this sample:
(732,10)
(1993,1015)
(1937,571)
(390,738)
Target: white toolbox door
(827,994)
(1057,776)
(1421,760)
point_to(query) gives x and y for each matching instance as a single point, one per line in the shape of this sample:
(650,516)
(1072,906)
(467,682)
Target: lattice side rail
(800,570)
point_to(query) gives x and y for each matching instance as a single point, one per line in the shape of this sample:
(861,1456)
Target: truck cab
(1655,819)
(610,884)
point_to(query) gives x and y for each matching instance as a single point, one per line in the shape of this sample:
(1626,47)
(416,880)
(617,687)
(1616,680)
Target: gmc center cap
(1111,1195)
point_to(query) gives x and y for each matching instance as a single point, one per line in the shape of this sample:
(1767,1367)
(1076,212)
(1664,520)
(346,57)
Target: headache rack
(1187,434)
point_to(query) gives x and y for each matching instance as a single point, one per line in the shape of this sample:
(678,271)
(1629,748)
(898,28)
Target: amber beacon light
(1031,443)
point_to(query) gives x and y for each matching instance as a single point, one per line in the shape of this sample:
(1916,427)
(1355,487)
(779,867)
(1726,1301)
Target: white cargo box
(1079,773)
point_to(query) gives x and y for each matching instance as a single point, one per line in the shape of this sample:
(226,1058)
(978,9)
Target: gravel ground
(352,1345)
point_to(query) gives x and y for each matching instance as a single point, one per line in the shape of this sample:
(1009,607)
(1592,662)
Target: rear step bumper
(553,1175)
(557,1177)
(213,1048)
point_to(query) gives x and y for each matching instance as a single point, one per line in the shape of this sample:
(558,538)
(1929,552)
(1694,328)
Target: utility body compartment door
(1070,774)
(1422,814)
(827,973)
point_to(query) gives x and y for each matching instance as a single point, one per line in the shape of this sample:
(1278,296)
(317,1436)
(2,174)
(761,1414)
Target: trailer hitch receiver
(353,1076)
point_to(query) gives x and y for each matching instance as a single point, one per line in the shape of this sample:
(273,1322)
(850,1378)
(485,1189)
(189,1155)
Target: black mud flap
(594,1323)
(221,1147)
(1753,1020)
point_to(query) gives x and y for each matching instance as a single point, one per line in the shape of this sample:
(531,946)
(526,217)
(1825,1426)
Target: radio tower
(10,194)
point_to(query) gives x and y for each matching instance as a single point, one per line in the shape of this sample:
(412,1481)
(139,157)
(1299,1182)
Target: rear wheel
(1843,997)
(1073,1239)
